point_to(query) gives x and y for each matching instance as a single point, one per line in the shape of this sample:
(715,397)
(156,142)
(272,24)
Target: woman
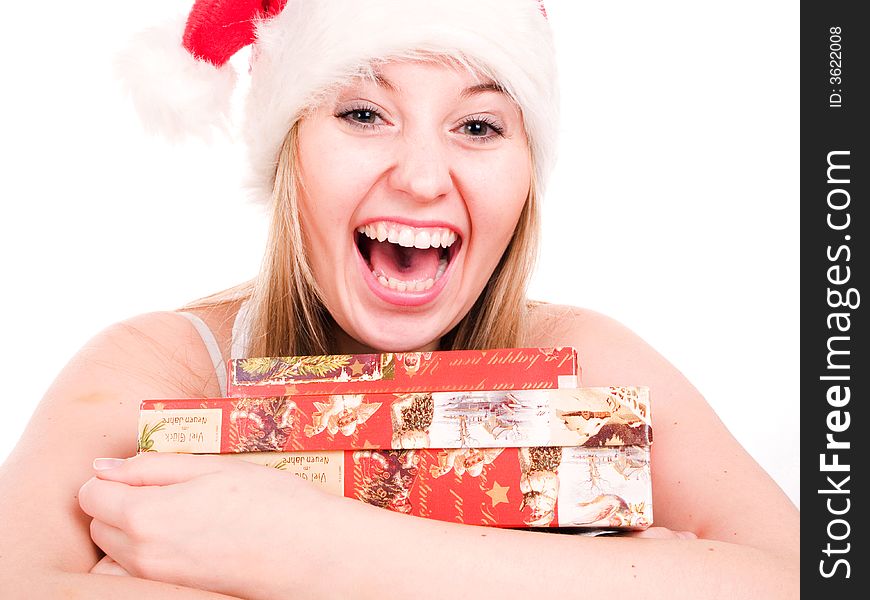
(403,173)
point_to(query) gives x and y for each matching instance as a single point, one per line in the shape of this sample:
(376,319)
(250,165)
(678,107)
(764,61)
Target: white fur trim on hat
(175,94)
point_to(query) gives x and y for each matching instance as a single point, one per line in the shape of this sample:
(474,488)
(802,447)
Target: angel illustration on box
(342,413)
(464,460)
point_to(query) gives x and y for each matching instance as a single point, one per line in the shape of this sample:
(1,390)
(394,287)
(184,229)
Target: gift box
(407,372)
(591,416)
(575,486)
(509,458)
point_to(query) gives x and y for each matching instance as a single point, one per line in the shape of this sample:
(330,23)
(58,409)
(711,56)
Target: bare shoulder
(153,355)
(609,353)
(159,353)
(91,411)
(703,479)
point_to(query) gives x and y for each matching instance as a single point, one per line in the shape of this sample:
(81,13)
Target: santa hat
(181,81)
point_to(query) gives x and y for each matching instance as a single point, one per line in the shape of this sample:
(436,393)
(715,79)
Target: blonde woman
(403,147)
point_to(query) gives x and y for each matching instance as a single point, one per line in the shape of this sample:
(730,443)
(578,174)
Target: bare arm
(298,540)
(430,559)
(703,479)
(703,482)
(89,411)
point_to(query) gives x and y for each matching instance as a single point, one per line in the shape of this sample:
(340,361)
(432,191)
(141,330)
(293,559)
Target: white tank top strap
(214,351)
(241,332)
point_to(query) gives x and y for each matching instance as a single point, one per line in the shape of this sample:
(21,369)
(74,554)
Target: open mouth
(405,258)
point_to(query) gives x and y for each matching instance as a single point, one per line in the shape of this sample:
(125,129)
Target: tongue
(404,264)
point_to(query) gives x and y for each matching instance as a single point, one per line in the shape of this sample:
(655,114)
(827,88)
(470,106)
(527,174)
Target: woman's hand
(207,522)
(108,566)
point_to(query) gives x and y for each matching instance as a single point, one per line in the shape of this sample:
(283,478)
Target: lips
(407,260)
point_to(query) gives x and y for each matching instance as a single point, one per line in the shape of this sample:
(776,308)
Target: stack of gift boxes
(497,437)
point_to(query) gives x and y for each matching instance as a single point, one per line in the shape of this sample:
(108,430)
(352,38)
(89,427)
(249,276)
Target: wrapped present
(573,486)
(593,416)
(517,458)
(407,372)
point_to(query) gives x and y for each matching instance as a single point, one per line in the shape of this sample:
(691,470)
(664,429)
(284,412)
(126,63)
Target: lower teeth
(411,286)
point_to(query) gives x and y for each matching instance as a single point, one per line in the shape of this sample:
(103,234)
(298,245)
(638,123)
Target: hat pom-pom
(175,94)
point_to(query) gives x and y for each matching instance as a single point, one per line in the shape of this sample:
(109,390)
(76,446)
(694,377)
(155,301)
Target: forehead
(435,75)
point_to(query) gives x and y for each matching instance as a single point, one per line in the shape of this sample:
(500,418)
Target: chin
(369,329)
(410,339)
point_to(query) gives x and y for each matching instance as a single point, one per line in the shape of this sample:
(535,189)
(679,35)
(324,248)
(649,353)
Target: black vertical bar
(835,226)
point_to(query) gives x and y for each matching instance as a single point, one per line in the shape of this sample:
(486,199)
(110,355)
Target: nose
(422,167)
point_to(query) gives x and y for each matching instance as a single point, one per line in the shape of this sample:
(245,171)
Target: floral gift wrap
(523,457)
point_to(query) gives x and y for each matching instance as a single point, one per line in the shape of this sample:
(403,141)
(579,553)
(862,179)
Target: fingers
(108,566)
(111,501)
(127,552)
(157,468)
(111,540)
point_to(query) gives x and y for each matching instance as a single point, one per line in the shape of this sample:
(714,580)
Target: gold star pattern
(356,368)
(367,445)
(498,494)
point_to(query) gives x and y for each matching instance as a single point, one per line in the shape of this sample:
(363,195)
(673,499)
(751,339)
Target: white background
(674,207)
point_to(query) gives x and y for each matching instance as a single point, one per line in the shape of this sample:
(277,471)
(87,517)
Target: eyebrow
(489,86)
(385,83)
(481,88)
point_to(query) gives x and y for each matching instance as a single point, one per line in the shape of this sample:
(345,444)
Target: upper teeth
(407,236)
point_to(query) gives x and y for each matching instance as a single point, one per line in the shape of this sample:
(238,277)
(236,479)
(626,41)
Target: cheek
(336,169)
(334,176)
(500,198)
(328,199)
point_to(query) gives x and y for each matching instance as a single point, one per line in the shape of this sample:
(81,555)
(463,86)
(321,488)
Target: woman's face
(412,187)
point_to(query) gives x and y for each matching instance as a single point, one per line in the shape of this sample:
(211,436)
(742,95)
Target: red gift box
(500,437)
(446,370)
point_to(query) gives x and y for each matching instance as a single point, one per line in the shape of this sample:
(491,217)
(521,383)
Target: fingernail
(687,535)
(104,464)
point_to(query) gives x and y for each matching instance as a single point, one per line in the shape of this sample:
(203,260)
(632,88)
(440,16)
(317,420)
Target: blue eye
(476,128)
(365,117)
(481,128)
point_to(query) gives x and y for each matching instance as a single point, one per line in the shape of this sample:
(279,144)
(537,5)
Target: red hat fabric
(217,29)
